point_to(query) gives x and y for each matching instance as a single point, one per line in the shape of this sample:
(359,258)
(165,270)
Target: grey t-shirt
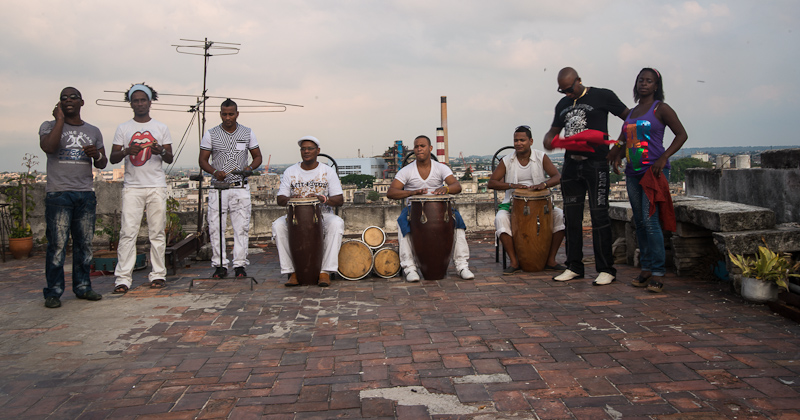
(70,169)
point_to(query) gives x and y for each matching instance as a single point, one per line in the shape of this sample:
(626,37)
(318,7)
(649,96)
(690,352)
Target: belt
(238,184)
(578,157)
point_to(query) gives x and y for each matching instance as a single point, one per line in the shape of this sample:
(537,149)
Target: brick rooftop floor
(498,347)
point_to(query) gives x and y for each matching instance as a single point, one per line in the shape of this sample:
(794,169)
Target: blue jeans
(652,255)
(69,212)
(577,179)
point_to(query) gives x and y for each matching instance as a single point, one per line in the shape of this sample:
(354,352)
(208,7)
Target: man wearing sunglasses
(72,146)
(584,108)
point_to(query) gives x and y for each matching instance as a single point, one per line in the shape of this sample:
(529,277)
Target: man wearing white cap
(310,178)
(228,145)
(144,144)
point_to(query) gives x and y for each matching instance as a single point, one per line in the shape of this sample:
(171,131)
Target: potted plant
(174,228)
(763,275)
(21,204)
(110,229)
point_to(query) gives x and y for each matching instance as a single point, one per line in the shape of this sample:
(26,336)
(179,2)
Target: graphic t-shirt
(229,151)
(587,112)
(143,170)
(644,141)
(70,169)
(321,180)
(412,180)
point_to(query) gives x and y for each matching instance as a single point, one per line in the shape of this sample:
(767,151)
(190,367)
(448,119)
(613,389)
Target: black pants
(578,177)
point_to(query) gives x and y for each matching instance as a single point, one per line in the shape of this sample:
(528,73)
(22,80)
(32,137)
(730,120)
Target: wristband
(163,152)
(448,188)
(325,199)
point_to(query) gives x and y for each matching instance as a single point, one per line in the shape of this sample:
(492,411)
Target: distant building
(701,156)
(742,161)
(723,162)
(362,166)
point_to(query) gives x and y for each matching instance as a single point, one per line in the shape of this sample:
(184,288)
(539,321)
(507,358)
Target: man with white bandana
(144,144)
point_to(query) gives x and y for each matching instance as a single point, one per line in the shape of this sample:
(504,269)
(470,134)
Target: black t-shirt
(588,112)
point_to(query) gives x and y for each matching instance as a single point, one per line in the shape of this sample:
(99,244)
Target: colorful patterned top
(644,141)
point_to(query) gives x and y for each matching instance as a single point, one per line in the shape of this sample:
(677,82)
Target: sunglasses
(72,96)
(568,90)
(523,126)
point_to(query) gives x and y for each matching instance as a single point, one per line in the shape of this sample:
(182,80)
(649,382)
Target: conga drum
(532,227)
(355,260)
(432,226)
(374,237)
(305,238)
(386,262)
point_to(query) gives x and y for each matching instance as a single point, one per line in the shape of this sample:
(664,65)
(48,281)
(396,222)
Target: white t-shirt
(320,180)
(412,180)
(531,174)
(143,170)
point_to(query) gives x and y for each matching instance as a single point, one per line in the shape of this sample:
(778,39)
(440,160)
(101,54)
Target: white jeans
(236,203)
(460,251)
(332,231)
(502,221)
(136,201)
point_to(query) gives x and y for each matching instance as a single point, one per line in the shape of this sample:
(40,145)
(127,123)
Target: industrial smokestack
(444,129)
(440,149)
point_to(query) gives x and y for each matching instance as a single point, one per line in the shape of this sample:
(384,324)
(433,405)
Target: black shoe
(91,295)
(52,302)
(239,272)
(220,273)
(511,270)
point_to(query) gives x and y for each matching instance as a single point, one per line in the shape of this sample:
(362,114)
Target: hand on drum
(538,187)
(441,190)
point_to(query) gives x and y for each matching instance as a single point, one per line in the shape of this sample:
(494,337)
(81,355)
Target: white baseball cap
(309,138)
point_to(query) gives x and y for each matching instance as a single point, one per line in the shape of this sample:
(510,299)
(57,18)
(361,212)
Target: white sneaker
(412,276)
(568,275)
(603,279)
(466,274)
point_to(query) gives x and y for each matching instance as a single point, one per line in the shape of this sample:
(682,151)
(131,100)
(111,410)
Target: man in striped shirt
(228,145)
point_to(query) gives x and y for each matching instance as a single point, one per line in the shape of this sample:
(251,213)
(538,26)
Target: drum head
(531,194)
(430,197)
(355,260)
(374,237)
(387,263)
(303,200)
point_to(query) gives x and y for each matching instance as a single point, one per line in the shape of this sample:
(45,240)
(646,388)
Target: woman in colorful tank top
(642,139)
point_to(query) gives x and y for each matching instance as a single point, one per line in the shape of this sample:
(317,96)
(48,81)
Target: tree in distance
(360,180)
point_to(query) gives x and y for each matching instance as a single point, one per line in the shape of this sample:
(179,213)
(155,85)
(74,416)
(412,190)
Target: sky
(370,72)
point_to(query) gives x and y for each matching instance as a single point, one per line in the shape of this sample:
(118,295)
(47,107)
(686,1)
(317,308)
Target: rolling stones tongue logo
(145,140)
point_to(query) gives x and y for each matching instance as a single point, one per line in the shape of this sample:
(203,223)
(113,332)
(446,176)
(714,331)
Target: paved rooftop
(498,347)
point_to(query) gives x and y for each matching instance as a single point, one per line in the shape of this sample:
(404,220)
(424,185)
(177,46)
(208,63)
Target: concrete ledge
(620,210)
(724,216)
(784,238)
(781,159)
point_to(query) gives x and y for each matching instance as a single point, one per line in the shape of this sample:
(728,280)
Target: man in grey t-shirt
(72,146)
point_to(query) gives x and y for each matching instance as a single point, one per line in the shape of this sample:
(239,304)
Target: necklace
(585,89)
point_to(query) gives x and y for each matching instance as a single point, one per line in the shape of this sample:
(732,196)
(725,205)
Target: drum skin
(355,260)
(532,227)
(386,262)
(432,235)
(374,237)
(305,238)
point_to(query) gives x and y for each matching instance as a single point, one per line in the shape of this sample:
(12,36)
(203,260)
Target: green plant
(766,266)
(109,228)
(20,199)
(173,229)
(373,195)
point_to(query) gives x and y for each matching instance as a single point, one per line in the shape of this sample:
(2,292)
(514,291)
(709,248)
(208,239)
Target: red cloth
(583,141)
(657,191)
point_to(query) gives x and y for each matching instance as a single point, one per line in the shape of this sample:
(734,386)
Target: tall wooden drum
(386,262)
(374,237)
(432,226)
(532,227)
(305,238)
(355,260)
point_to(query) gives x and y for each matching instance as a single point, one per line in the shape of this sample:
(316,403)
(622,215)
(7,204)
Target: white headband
(143,88)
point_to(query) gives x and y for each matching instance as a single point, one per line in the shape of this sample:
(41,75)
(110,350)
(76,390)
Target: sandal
(655,286)
(158,284)
(120,289)
(641,281)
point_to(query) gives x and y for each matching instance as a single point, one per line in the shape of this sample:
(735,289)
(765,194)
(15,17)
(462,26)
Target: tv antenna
(207,49)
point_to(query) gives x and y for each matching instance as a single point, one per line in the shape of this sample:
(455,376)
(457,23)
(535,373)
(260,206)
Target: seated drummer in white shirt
(525,168)
(426,176)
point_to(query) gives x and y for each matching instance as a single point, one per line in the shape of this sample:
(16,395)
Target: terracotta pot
(756,290)
(20,247)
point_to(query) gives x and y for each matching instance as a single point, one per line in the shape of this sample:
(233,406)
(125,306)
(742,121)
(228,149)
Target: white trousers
(460,251)
(236,204)
(332,231)
(135,201)
(502,221)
